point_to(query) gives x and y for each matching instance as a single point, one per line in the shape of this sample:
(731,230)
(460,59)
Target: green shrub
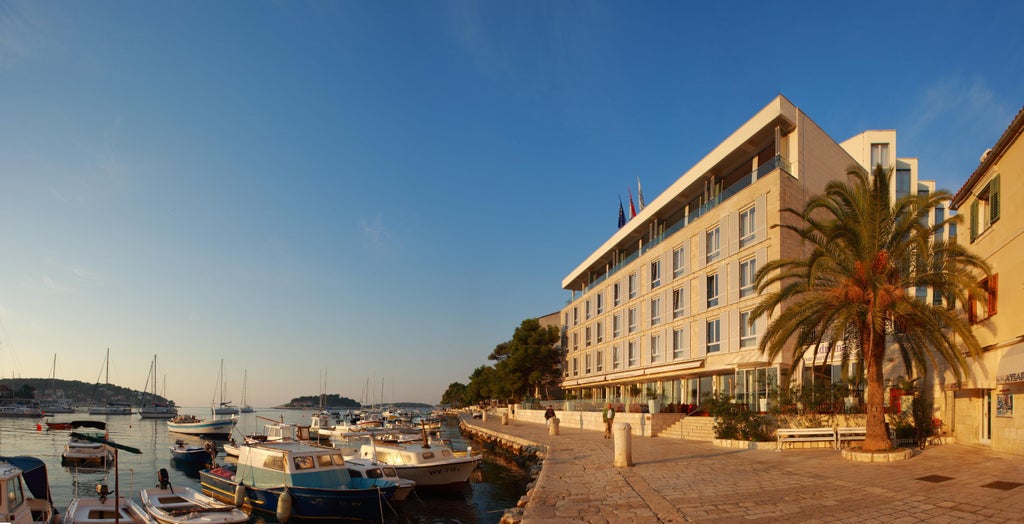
(735,422)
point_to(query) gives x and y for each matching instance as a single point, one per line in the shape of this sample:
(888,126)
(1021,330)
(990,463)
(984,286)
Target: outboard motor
(164,479)
(102,491)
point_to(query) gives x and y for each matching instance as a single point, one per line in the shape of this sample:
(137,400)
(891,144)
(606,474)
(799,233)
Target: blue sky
(383,191)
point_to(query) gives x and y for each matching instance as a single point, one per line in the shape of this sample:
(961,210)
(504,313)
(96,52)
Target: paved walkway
(683,481)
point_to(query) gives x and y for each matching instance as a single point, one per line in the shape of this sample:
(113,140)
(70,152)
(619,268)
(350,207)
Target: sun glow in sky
(383,191)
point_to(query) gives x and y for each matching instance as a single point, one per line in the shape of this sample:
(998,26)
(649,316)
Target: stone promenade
(683,481)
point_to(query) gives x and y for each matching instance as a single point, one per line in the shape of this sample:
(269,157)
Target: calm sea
(496,485)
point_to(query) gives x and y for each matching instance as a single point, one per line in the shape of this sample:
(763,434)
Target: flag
(632,209)
(640,194)
(622,214)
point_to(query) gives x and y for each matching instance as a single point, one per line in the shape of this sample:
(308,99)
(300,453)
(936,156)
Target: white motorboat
(184,505)
(429,464)
(191,425)
(102,510)
(80,451)
(366,468)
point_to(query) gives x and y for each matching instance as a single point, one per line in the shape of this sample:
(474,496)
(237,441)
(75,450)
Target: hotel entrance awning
(1011,366)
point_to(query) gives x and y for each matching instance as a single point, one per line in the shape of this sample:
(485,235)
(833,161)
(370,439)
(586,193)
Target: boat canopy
(33,471)
(96,424)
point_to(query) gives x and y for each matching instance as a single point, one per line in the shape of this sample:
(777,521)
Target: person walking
(608,415)
(548,415)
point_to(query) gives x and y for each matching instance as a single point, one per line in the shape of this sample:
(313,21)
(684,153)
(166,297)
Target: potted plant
(653,400)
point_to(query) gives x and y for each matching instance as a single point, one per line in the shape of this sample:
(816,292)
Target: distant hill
(78,392)
(334,401)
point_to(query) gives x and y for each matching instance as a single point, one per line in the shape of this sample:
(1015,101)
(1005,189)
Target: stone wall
(642,424)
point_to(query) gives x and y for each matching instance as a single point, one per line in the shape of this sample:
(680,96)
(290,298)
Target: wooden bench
(849,435)
(785,435)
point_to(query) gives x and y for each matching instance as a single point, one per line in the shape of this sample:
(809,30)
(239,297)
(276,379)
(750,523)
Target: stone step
(691,428)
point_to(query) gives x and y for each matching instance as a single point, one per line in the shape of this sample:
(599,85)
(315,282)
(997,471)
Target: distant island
(85,394)
(77,392)
(335,401)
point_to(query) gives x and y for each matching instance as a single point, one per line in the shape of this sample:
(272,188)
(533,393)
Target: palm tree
(852,294)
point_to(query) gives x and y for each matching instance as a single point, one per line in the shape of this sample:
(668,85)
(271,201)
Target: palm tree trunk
(876,438)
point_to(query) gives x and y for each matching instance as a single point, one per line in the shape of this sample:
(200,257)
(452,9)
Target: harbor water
(496,485)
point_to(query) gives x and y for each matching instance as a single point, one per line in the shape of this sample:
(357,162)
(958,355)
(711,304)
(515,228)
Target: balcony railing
(778,162)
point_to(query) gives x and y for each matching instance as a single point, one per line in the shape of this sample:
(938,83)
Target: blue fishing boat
(297,480)
(192,454)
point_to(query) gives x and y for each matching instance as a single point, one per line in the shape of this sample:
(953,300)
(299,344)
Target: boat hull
(93,511)
(335,504)
(184,505)
(438,475)
(212,429)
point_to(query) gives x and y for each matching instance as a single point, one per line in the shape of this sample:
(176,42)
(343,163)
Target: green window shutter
(993,200)
(974,220)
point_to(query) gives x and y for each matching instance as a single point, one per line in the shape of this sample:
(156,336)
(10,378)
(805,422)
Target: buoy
(284,507)
(240,494)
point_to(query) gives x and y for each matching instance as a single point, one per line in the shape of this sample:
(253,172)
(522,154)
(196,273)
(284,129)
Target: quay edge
(518,446)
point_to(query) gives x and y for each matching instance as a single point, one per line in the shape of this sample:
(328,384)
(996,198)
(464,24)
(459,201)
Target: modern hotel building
(663,305)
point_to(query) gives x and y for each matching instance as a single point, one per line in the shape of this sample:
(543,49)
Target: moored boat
(102,509)
(191,454)
(19,506)
(297,480)
(191,425)
(184,505)
(18,410)
(429,464)
(81,451)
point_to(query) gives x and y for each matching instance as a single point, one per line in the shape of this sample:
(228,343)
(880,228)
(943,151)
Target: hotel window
(678,305)
(678,344)
(655,348)
(600,331)
(632,285)
(748,268)
(631,355)
(600,303)
(748,333)
(586,364)
(616,357)
(748,224)
(678,262)
(714,244)
(976,311)
(631,320)
(575,341)
(902,182)
(714,335)
(586,310)
(880,155)
(921,293)
(655,274)
(599,361)
(586,336)
(575,366)
(712,289)
(616,297)
(616,326)
(655,311)
(575,315)
(985,208)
